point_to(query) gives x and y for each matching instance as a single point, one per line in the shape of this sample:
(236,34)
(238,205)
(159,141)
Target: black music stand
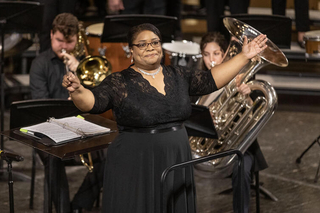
(30,112)
(65,151)
(200,123)
(18,17)
(116,27)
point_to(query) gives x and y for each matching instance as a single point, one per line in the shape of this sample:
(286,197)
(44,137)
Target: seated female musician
(213,47)
(150,102)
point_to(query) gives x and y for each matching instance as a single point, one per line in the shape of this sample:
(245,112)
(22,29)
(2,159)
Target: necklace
(150,74)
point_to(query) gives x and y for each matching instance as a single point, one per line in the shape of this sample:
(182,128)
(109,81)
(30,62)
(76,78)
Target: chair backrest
(29,112)
(121,24)
(277,28)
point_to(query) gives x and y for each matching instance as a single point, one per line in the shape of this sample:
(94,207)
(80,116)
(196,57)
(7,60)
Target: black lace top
(137,104)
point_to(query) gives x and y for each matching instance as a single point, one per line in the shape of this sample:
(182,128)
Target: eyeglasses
(143,46)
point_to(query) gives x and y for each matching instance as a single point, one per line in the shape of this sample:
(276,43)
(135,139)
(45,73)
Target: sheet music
(80,126)
(69,128)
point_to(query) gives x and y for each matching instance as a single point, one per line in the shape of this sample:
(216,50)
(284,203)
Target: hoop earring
(131,60)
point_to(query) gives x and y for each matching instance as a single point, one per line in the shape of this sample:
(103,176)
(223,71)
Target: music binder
(200,123)
(64,129)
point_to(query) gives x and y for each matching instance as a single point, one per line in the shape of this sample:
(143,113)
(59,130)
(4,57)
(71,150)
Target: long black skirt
(135,162)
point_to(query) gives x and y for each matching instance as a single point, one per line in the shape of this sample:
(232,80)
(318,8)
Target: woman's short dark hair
(214,37)
(66,23)
(134,31)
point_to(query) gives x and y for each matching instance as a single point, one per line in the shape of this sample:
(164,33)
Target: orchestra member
(150,102)
(213,47)
(155,7)
(302,21)
(46,74)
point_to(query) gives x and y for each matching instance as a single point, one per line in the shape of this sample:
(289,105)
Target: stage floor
(282,140)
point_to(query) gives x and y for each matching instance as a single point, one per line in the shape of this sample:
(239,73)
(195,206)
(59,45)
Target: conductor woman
(150,102)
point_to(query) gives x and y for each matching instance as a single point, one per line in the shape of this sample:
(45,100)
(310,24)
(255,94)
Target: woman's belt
(153,130)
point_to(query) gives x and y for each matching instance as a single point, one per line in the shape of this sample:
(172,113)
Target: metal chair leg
(257,188)
(317,174)
(317,140)
(33,174)
(98,201)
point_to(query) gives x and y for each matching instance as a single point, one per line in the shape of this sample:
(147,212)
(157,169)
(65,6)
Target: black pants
(215,10)
(155,7)
(301,8)
(248,162)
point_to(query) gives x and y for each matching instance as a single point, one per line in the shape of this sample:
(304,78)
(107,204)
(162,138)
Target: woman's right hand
(71,82)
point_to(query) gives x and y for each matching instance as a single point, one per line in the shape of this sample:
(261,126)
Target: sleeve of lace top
(109,93)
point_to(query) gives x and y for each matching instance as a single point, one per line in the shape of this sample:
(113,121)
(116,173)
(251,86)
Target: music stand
(200,123)
(116,27)
(16,17)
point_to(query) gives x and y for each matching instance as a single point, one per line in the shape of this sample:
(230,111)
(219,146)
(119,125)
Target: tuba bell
(237,119)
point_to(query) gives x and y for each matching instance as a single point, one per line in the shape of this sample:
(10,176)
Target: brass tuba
(238,119)
(92,69)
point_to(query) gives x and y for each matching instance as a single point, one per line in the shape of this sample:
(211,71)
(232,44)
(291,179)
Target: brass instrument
(92,69)
(238,119)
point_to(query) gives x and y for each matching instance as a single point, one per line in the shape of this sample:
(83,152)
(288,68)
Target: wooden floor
(282,140)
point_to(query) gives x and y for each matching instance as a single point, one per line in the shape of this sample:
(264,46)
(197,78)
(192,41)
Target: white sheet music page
(69,128)
(80,126)
(55,132)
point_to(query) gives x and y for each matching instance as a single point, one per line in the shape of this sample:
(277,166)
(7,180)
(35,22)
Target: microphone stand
(2,23)
(10,183)
(9,157)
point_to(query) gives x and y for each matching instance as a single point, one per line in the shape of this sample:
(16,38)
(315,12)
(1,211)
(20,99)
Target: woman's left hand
(243,88)
(257,45)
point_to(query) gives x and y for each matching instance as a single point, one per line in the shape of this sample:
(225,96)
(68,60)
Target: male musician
(48,68)
(46,75)
(50,10)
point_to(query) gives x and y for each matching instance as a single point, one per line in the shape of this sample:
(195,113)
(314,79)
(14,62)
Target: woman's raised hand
(257,45)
